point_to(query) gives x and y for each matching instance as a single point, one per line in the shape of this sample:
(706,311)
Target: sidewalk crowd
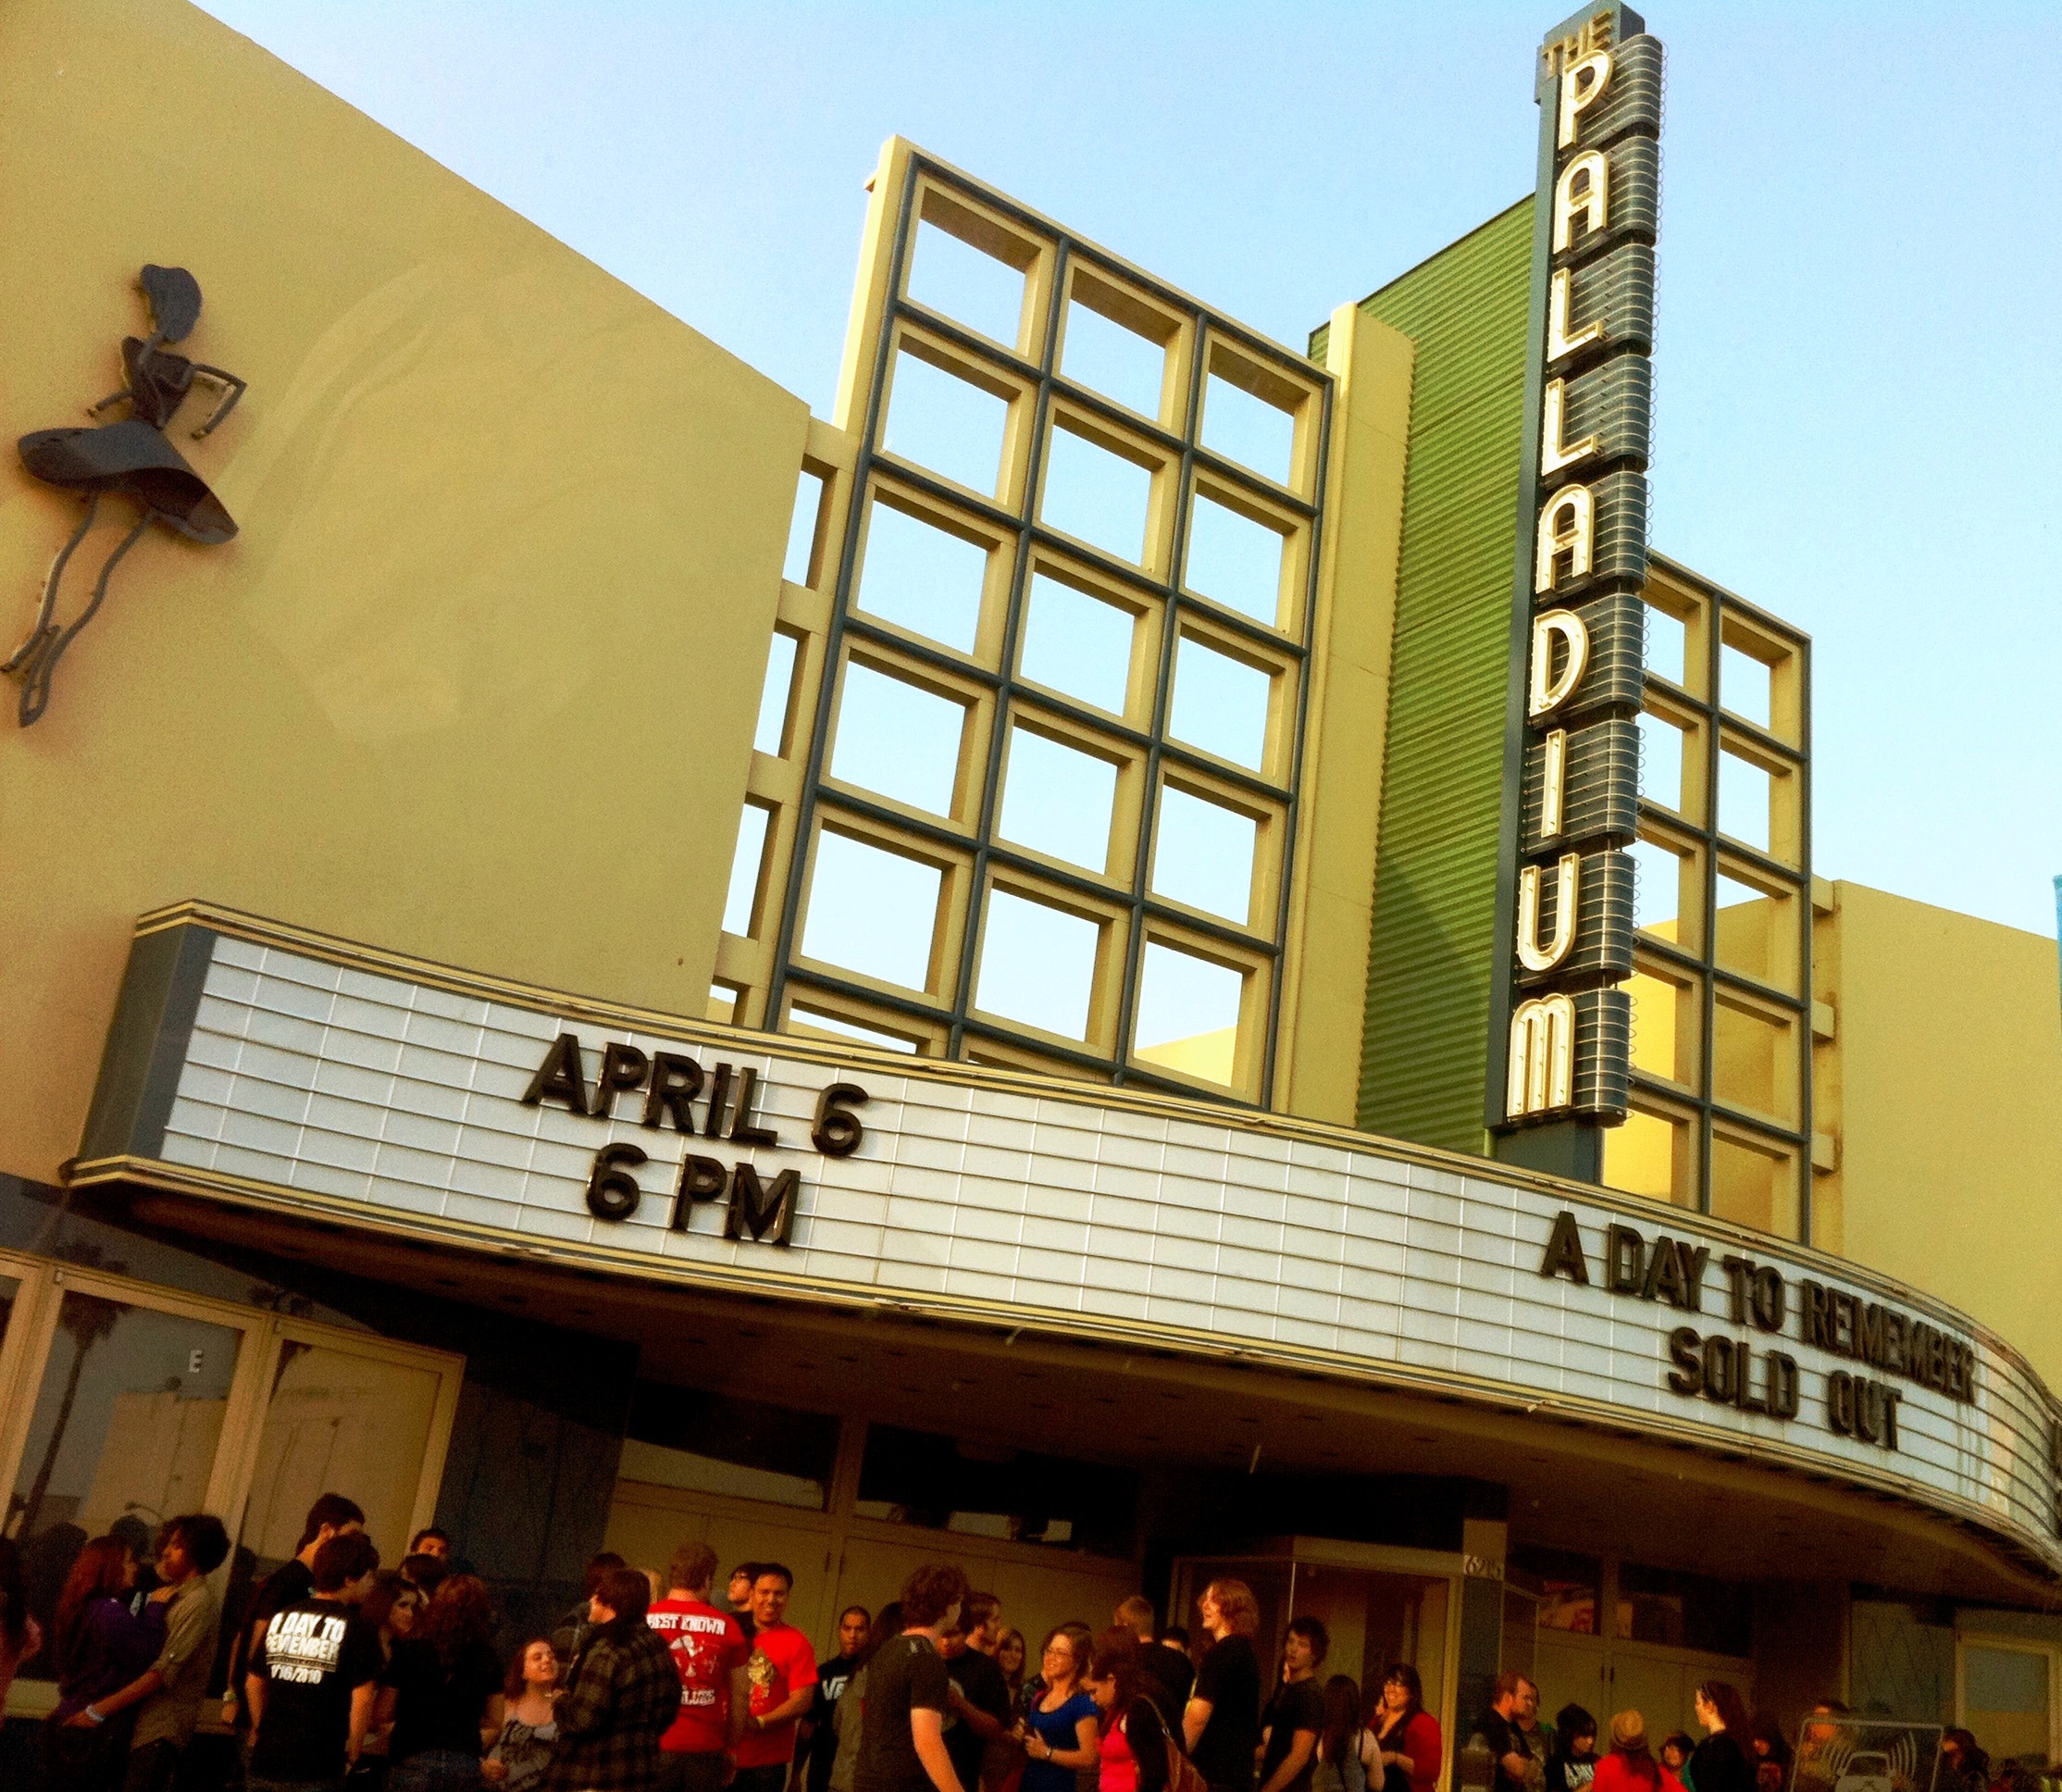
(346,1677)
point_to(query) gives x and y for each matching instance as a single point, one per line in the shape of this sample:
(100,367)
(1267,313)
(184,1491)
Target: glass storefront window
(2004,1700)
(748,1449)
(1664,1605)
(948,1484)
(337,1421)
(1570,1588)
(123,1434)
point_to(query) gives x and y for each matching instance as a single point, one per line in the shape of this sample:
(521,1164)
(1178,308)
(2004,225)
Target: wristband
(93,1716)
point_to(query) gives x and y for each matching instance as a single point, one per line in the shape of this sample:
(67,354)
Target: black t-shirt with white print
(314,1654)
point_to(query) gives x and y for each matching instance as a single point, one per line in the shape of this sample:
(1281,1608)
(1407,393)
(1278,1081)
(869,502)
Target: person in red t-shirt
(700,1749)
(783,1675)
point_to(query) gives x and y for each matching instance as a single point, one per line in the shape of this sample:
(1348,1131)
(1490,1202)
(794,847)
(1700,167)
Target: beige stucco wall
(1325,996)
(1943,1085)
(476,681)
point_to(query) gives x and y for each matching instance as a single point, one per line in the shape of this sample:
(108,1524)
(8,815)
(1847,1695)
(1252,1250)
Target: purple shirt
(112,1649)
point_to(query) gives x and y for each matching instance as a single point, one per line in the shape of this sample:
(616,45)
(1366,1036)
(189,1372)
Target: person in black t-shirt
(818,1743)
(1222,1724)
(1166,1675)
(1295,1717)
(311,1687)
(289,1584)
(442,1690)
(980,1696)
(902,1740)
(1501,1726)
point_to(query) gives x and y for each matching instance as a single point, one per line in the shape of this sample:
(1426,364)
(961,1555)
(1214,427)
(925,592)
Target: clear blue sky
(1859,367)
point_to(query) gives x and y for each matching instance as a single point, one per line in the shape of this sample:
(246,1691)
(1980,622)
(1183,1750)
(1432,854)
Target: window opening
(1753,1186)
(979,1489)
(1095,496)
(1661,761)
(923,578)
(950,276)
(1188,1013)
(1640,1158)
(872,911)
(817,1018)
(799,567)
(1234,560)
(1242,426)
(1220,703)
(1038,964)
(1077,644)
(1743,685)
(1746,791)
(1203,854)
(1658,873)
(1058,799)
(1668,639)
(741,906)
(1116,360)
(897,739)
(943,421)
(743,1449)
(777,697)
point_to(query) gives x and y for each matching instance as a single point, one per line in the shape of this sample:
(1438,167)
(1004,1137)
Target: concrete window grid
(1201,347)
(1034,1201)
(1715,620)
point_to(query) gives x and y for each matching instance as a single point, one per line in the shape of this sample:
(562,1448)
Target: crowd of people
(344,1676)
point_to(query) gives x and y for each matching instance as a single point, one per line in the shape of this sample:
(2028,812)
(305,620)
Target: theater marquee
(252,1064)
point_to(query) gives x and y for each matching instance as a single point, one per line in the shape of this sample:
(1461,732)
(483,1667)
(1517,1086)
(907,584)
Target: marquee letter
(1564,1251)
(675,1081)
(1566,876)
(1555,453)
(838,1132)
(759,1210)
(743,1129)
(1581,85)
(1566,525)
(1559,344)
(701,1178)
(1542,1062)
(1592,199)
(1688,1376)
(560,1077)
(1553,773)
(1549,691)
(623,1067)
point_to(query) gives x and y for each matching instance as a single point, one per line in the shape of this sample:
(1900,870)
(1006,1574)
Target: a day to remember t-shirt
(1297,1705)
(905,1674)
(706,1645)
(313,1656)
(1229,1679)
(782,1662)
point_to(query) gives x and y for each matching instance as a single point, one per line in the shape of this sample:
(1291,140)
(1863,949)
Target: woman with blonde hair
(1222,1724)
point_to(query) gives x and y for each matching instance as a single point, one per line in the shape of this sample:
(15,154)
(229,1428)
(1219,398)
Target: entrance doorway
(1378,1605)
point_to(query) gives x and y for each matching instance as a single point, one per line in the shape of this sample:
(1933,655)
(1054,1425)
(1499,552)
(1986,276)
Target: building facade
(1188,956)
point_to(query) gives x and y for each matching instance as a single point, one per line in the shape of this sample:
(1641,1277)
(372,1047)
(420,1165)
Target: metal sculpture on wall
(130,458)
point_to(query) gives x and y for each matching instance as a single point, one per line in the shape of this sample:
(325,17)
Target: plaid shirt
(621,1692)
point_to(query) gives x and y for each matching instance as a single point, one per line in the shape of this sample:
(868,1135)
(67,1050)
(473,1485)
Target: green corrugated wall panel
(1425,1049)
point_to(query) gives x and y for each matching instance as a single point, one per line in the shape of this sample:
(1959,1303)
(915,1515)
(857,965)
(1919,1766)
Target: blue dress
(1058,1728)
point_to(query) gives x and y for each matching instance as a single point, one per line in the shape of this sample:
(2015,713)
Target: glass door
(1374,1616)
(2004,1692)
(125,1429)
